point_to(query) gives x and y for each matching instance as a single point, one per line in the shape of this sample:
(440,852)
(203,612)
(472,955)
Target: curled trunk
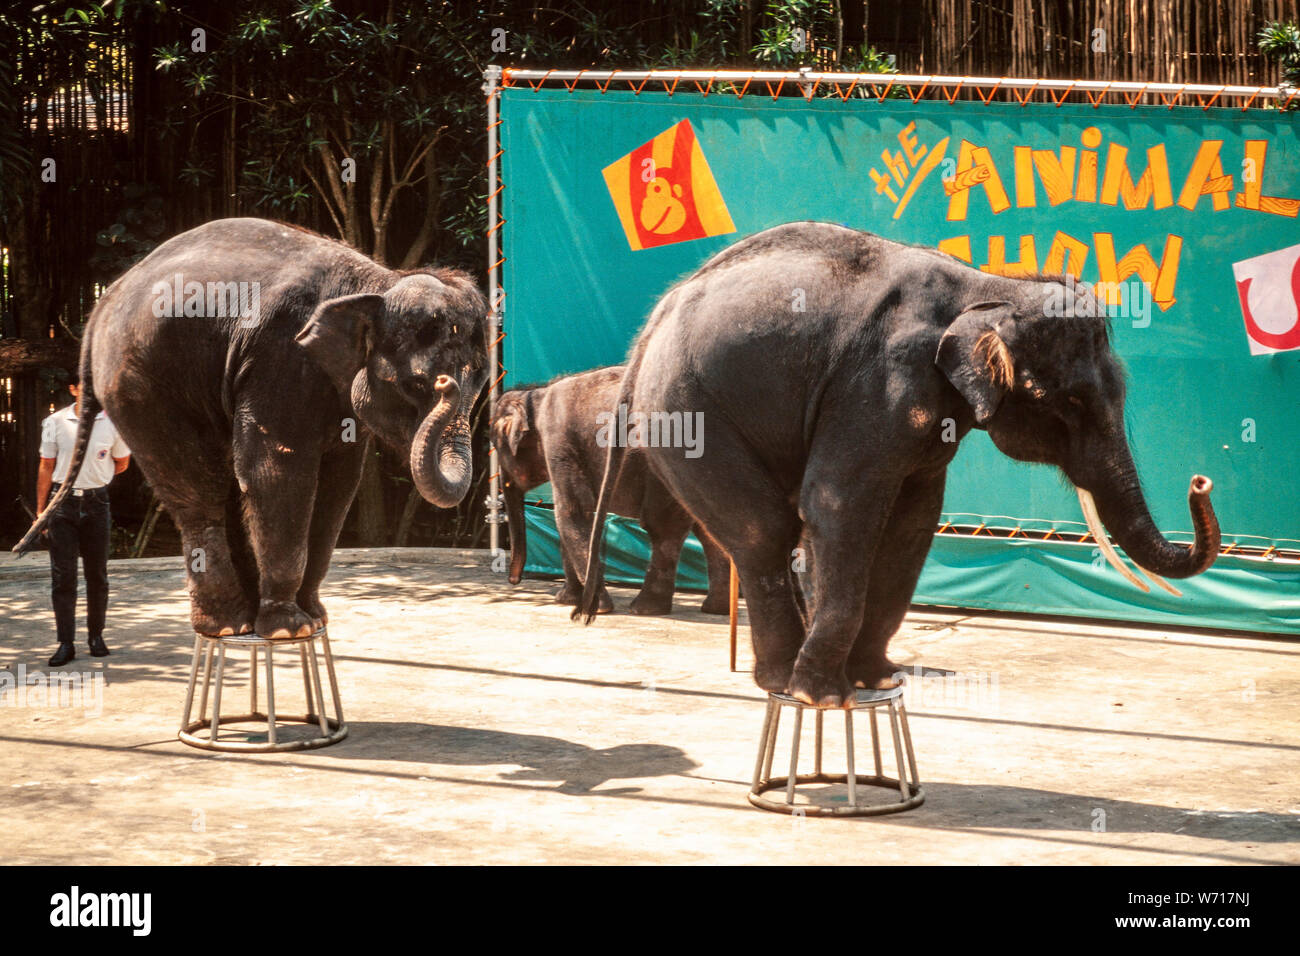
(514,496)
(441,461)
(1123,510)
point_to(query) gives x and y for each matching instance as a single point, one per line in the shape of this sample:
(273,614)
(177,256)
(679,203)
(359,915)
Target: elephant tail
(594,578)
(516,522)
(90,407)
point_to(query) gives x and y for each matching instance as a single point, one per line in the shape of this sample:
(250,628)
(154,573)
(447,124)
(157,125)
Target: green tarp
(1176,207)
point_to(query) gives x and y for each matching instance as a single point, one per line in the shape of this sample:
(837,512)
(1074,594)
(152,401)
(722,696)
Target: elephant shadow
(577,767)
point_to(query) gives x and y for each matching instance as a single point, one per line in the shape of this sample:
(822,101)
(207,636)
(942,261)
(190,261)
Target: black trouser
(80,527)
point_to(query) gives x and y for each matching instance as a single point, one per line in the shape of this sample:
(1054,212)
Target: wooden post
(733,608)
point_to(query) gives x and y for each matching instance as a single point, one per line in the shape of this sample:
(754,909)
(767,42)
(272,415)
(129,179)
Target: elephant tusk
(1158,580)
(1099,533)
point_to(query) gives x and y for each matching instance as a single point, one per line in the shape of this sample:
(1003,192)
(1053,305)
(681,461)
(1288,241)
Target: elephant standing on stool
(838,422)
(549,433)
(235,359)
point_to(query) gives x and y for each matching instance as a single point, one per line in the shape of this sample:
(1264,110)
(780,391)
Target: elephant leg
(336,487)
(219,604)
(191,478)
(731,493)
(575,506)
(279,485)
(844,513)
(241,552)
(906,541)
(718,600)
(667,524)
(571,592)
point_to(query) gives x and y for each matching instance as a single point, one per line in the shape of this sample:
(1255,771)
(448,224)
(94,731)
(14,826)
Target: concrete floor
(487,728)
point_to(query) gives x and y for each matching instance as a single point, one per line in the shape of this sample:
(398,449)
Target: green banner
(1186,216)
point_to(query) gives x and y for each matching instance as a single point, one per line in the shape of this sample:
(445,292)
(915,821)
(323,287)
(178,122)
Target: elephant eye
(416,386)
(426,335)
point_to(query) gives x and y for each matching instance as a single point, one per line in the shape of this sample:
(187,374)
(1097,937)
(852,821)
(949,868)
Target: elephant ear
(336,335)
(974,354)
(511,427)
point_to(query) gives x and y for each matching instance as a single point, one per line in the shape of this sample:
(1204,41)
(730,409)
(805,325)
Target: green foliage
(139,226)
(318,86)
(795,29)
(1281,41)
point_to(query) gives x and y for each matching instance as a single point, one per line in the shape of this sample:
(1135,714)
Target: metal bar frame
(496,320)
(807,79)
(496,78)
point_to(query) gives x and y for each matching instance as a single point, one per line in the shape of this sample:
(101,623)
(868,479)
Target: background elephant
(240,410)
(549,433)
(831,422)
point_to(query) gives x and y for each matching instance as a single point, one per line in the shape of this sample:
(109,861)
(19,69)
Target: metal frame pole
(807,80)
(492,87)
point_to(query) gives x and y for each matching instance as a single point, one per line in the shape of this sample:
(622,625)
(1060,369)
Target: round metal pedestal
(207,649)
(908,785)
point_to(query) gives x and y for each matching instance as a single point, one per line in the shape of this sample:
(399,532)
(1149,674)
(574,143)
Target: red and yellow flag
(665,192)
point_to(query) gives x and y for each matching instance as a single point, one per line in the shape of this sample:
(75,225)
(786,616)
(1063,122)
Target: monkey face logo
(662,210)
(664,191)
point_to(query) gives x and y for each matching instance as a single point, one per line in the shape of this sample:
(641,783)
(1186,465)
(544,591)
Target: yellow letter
(1206,178)
(998,264)
(1252,191)
(974,168)
(1160,279)
(1057,174)
(1066,248)
(958,246)
(1154,179)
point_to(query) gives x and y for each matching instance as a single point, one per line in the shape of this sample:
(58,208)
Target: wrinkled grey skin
(829,423)
(241,425)
(548,433)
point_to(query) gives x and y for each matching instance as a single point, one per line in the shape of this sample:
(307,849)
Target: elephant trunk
(1121,507)
(441,460)
(514,495)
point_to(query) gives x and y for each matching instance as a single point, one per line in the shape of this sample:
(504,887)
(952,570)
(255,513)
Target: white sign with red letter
(1269,287)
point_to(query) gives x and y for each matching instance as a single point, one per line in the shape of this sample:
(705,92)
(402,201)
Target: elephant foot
(311,606)
(881,674)
(823,691)
(716,605)
(228,624)
(567,595)
(651,605)
(773,677)
(282,619)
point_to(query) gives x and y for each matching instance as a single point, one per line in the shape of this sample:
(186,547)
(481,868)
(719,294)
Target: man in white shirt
(81,525)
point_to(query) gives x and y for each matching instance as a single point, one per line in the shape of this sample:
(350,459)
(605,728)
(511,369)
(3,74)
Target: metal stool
(909,787)
(332,730)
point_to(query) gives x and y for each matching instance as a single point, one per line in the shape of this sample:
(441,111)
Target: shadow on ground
(581,769)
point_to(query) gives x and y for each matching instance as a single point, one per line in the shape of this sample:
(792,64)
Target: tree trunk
(369,504)
(19,356)
(413,500)
(146,527)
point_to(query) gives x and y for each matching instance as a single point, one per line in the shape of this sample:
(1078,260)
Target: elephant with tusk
(835,422)
(236,360)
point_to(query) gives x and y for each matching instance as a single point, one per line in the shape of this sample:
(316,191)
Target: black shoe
(63,655)
(98,648)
